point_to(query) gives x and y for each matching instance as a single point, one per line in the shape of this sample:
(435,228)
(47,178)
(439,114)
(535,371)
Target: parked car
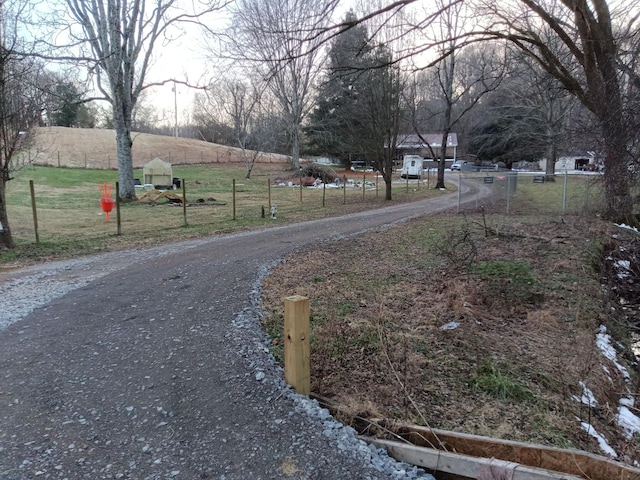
(457,165)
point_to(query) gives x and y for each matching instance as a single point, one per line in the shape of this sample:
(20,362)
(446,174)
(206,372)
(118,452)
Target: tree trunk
(125,158)
(552,157)
(615,138)
(443,157)
(387,174)
(387,187)
(6,239)
(617,188)
(295,147)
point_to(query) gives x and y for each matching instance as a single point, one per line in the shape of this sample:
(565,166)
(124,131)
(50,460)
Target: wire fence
(530,193)
(86,211)
(41,212)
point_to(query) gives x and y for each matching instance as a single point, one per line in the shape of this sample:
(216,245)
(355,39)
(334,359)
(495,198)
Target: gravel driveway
(151,364)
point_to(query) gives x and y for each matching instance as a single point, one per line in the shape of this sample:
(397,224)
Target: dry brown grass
(96,148)
(379,349)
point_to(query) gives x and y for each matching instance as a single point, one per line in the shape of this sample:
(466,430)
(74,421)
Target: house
(427,145)
(576,160)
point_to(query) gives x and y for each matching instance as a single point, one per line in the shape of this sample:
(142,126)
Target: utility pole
(175,109)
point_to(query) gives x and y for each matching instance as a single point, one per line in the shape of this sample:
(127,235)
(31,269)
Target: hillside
(502,327)
(96,148)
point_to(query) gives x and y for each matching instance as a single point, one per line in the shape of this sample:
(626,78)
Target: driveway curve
(151,364)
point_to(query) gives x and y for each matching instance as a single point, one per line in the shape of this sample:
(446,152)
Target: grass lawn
(71,222)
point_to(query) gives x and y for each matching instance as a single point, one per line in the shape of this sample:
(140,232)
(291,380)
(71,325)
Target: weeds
(458,247)
(506,281)
(382,340)
(491,380)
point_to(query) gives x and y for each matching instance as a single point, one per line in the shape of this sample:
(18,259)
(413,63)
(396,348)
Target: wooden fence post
(118,219)
(364,183)
(296,344)
(344,189)
(233,195)
(33,209)
(300,178)
(184,202)
(324,192)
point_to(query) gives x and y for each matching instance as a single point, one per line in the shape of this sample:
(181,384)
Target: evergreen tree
(66,100)
(335,126)
(358,107)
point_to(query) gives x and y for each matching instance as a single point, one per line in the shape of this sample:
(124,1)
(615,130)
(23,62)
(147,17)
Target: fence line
(530,192)
(59,213)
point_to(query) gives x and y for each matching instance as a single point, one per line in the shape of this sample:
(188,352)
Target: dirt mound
(96,148)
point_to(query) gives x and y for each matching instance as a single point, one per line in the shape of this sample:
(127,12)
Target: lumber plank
(458,464)
(571,461)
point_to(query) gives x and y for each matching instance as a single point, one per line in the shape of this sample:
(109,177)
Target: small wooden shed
(158,173)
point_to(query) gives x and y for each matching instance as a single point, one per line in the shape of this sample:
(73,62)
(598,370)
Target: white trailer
(412,166)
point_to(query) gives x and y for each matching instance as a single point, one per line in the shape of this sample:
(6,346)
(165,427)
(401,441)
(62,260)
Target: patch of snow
(635,345)
(603,341)
(602,442)
(450,326)
(627,227)
(622,268)
(627,419)
(588,398)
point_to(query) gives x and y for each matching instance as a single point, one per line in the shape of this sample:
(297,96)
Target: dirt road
(159,369)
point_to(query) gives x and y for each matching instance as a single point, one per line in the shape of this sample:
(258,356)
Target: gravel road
(151,364)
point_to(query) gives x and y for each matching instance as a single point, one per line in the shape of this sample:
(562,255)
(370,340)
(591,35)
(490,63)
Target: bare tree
(20,104)
(240,101)
(117,40)
(462,75)
(589,60)
(278,39)
(542,101)
(381,105)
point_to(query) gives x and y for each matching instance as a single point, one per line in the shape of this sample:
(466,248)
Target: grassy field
(71,222)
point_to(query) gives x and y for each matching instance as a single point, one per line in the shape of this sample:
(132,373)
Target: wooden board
(462,465)
(570,461)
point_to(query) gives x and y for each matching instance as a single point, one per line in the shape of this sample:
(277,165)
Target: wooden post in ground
(118,220)
(300,177)
(233,193)
(33,209)
(324,192)
(296,343)
(269,192)
(184,202)
(344,189)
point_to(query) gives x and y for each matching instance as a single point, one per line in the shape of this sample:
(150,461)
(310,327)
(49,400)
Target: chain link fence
(529,193)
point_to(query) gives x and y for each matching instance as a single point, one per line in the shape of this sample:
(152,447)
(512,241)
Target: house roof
(424,140)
